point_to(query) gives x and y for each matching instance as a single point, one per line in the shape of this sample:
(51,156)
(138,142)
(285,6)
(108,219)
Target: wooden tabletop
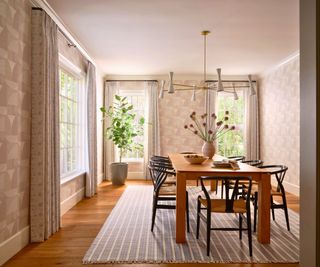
(181,165)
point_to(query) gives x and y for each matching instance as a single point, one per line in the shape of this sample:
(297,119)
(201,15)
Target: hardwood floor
(80,226)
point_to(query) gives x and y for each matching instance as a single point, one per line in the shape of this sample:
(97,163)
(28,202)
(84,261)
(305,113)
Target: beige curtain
(110,90)
(152,127)
(45,169)
(252,141)
(91,175)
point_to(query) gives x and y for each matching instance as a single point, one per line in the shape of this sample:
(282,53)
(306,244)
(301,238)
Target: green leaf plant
(123,125)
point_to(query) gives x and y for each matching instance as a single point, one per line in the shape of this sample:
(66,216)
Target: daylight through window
(71,124)
(232,143)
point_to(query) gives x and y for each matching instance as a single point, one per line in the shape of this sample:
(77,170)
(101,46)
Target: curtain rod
(158,81)
(70,43)
(230,81)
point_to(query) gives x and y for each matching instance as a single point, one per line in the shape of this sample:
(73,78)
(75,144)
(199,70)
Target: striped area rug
(126,237)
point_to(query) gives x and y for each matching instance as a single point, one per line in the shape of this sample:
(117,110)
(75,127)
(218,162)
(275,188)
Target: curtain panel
(252,133)
(45,169)
(152,127)
(91,174)
(110,90)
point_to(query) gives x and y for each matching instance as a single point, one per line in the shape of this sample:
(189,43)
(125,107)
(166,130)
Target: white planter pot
(119,172)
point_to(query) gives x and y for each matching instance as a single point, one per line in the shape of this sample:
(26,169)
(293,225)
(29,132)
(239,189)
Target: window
(72,123)
(135,97)
(232,143)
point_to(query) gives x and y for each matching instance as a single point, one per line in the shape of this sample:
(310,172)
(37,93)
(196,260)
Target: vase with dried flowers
(209,130)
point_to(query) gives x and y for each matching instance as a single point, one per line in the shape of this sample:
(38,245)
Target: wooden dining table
(186,171)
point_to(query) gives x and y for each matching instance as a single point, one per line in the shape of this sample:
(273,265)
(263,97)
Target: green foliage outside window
(124,128)
(232,143)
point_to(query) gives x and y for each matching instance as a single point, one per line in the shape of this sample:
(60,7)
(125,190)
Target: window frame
(70,69)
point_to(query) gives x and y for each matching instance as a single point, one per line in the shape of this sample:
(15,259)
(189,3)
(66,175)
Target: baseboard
(100,178)
(292,188)
(14,244)
(289,187)
(71,201)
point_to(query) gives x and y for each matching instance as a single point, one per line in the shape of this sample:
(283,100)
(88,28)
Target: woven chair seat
(170,180)
(255,188)
(167,190)
(219,205)
(275,193)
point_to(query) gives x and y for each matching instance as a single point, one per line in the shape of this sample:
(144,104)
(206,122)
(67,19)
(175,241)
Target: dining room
(157,133)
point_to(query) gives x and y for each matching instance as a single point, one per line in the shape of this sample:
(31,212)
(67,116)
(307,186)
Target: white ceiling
(149,37)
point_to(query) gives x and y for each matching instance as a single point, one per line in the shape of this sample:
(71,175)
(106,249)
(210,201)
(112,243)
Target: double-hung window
(135,97)
(72,122)
(232,143)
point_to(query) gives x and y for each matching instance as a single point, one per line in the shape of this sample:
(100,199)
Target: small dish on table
(225,164)
(195,158)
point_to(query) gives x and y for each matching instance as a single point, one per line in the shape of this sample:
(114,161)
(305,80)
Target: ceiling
(149,37)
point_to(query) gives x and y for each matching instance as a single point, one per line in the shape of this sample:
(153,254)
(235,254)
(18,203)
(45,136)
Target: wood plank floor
(80,226)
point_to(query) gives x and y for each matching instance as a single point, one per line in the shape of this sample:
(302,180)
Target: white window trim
(133,160)
(72,69)
(71,176)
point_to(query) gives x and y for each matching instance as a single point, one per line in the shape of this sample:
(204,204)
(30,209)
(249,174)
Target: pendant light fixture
(217,85)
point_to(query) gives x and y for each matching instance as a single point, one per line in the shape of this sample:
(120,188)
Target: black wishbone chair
(254,162)
(279,172)
(159,173)
(171,179)
(243,184)
(229,204)
(236,158)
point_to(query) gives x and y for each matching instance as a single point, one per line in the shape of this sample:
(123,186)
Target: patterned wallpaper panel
(15,115)
(280,118)
(174,113)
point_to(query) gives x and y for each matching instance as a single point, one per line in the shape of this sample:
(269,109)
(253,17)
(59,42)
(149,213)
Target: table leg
(181,209)
(264,209)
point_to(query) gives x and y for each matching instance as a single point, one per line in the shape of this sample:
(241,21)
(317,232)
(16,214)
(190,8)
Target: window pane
(71,136)
(232,143)
(137,99)
(63,135)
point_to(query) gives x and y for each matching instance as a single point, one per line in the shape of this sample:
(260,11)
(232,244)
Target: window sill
(71,176)
(132,160)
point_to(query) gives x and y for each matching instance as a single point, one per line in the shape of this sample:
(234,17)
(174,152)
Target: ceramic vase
(208,149)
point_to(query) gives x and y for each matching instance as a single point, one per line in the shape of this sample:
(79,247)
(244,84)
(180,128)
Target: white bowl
(195,159)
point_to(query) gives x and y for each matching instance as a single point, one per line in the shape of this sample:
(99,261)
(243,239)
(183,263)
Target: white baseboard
(100,178)
(71,201)
(14,244)
(289,187)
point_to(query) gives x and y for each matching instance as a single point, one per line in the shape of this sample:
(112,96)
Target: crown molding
(279,64)
(50,11)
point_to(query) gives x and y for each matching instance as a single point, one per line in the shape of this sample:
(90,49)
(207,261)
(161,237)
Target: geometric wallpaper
(280,119)
(15,115)
(175,110)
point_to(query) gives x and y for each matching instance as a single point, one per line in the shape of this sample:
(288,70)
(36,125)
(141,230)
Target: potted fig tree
(123,129)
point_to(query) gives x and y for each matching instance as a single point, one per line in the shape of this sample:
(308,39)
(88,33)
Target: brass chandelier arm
(183,85)
(214,87)
(204,89)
